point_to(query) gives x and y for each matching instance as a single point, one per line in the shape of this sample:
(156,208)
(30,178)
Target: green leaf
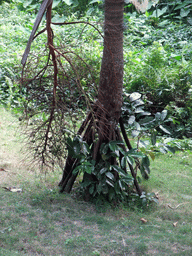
(70,2)
(146,161)
(110,183)
(130,160)
(176,56)
(114,145)
(77,169)
(134,153)
(121,185)
(104,148)
(131,120)
(27,3)
(153,138)
(134,96)
(135,133)
(163,114)
(118,169)
(55,3)
(110,175)
(86,183)
(158,116)
(184,12)
(95,1)
(161,12)
(152,155)
(171,149)
(103,170)
(164,129)
(128,180)
(163,150)
(184,4)
(123,162)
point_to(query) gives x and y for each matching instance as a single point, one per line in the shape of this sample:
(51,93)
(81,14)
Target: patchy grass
(41,221)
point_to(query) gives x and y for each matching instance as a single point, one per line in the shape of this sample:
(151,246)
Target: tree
(100,128)
(106,113)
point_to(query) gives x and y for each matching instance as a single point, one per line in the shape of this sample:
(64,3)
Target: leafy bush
(158,65)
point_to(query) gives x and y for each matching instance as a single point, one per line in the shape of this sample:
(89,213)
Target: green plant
(111,180)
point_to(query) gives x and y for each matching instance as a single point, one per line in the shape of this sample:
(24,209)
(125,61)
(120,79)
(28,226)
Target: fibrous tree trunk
(104,117)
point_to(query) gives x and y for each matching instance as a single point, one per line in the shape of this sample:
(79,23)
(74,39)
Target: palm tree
(101,124)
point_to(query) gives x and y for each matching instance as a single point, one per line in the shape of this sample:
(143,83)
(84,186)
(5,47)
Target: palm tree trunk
(111,75)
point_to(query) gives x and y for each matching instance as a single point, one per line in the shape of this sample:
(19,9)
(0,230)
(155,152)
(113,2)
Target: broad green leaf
(138,102)
(135,133)
(118,169)
(89,169)
(110,175)
(144,113)
(176,56)
(86,183)
(104,148)
(171,149)
(160,12)
(164,129)
(128,180)
(163,150)
(123,162)
(184,4)
(184,12)
(27,3)
(77,169)
(113,145)
(111,184)
(163,114)
(134,153)
(55,3)
(103,170)
(121,185)
(152,155)
(95,1)
(131,120)
(146,161)
(158,116)
(153,138)
(70,2)
(139,110)
(134,96)
(130,160)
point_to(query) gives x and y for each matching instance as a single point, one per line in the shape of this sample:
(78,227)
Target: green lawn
(41,221)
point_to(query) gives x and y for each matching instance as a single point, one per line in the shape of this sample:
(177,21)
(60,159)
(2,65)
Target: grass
(41,221)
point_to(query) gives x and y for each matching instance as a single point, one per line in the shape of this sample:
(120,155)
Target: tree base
(97,128)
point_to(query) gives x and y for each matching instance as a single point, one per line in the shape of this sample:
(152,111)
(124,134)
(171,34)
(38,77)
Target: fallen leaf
(143,220)
(13,189)
(175,224)
(2,169)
